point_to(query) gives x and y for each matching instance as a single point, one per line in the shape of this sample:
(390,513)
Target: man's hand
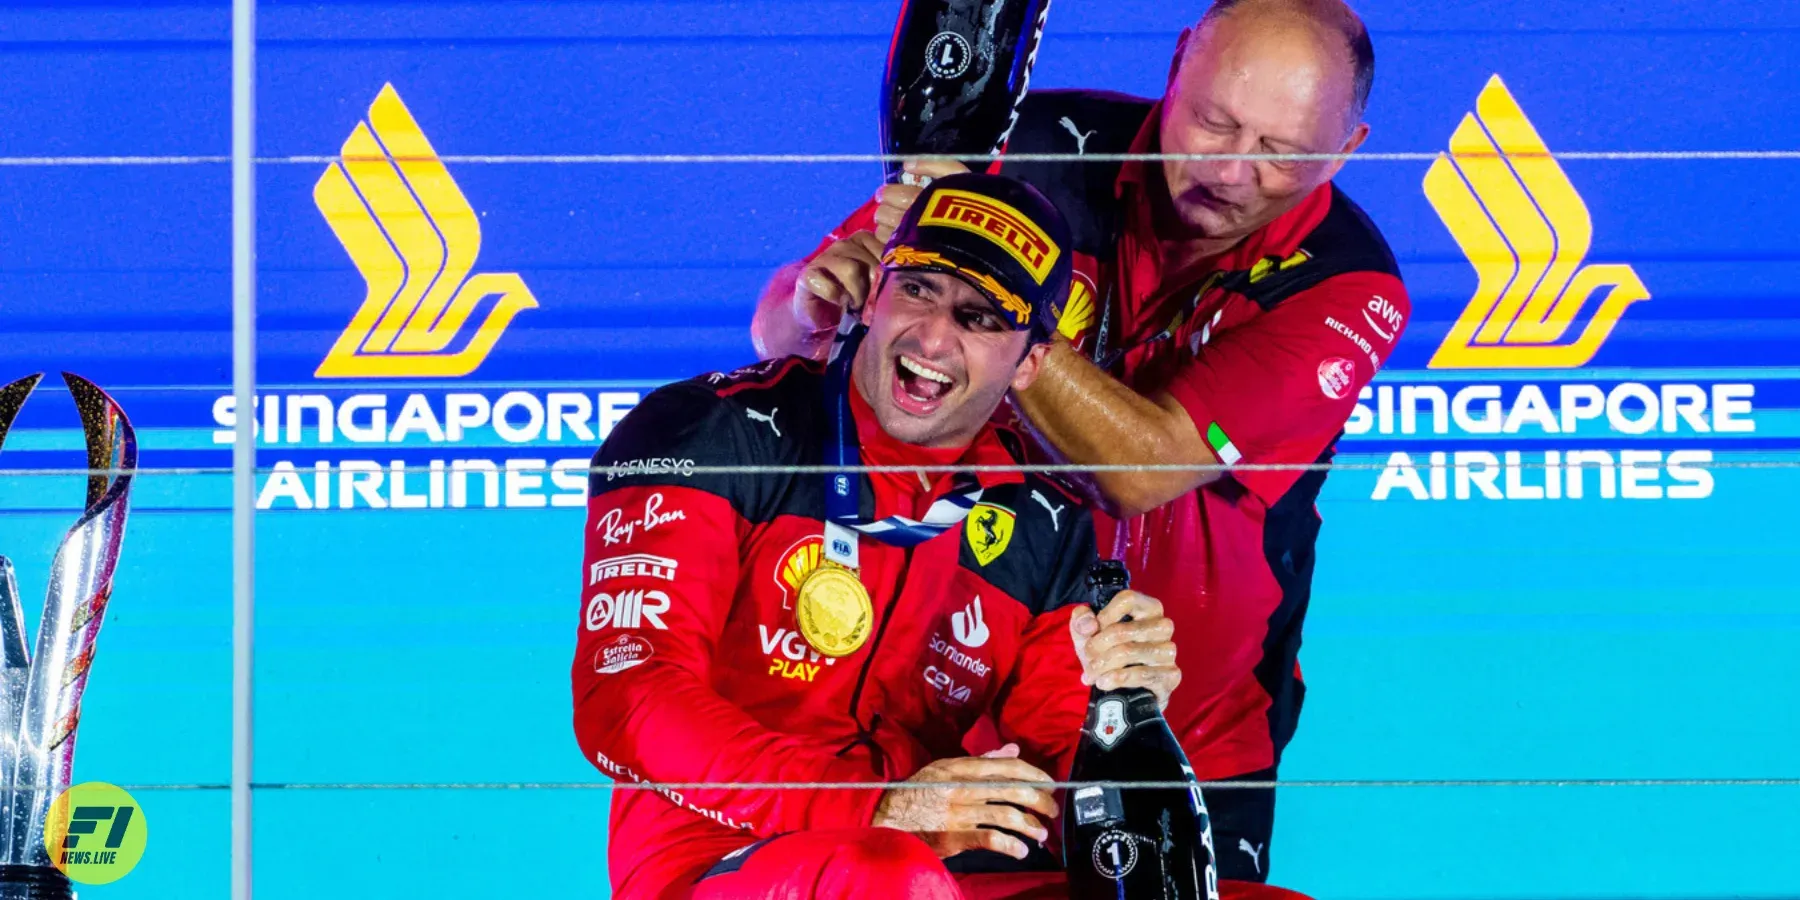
(802,303)
(1118,654)
(952,820)
(836,280)
(896,199)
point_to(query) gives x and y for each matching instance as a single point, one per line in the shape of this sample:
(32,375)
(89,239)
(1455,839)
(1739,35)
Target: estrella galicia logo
(1522,225)
(413,236)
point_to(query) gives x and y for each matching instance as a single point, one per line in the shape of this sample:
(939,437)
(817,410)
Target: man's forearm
(773,330)
(773,333)
(1092,419)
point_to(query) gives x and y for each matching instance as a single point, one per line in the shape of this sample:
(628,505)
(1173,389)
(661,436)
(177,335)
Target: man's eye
(1285,165)
(979,320)
(912,289)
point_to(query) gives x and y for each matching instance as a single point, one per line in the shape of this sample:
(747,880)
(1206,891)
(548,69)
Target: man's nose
(1235,171)
(937,333)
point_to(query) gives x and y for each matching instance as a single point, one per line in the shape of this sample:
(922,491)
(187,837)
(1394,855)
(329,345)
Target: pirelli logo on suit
(998,222)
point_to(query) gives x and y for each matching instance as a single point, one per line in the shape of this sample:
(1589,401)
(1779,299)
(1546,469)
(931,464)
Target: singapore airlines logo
(414,238)
(1521,223)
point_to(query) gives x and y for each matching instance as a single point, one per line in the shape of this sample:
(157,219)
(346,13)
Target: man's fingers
(996,815)
(870,245)
(1130,603)
(1157,678)
(990,769)
(1125,656)
(955,842)
(934,168)
(852,276)
(897,197)
(1122,634)
(817,280)
(1009,751)
(1083,625)
(1042,802)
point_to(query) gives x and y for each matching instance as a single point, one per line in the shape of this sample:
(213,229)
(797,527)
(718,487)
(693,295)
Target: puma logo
(1080,139)
(767,418)
(1255,851)
(1055,511)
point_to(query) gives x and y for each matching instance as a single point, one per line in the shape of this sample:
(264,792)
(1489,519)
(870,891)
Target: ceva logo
(414,238)
(1520,222)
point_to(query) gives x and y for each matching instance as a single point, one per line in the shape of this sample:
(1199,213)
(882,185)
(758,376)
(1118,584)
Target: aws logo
(1525,229)
(414,238)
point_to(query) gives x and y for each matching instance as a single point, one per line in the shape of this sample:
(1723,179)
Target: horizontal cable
(937,785)
(1057,468)
(830,158)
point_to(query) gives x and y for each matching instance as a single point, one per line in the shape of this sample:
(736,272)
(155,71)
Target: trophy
(40,696)
(956,71)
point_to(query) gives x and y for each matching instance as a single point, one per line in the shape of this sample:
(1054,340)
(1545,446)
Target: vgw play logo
(1520,222)
(414,238)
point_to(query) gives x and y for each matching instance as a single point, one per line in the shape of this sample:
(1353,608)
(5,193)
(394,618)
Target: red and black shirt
(1267,351)
(689,665)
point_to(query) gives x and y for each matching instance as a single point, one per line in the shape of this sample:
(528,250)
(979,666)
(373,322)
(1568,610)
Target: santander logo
(969,627)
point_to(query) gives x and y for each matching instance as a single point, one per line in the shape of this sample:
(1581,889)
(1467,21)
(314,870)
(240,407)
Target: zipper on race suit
(865,735)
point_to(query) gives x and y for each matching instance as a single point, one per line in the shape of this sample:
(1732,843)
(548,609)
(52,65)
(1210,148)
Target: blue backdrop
(1467,624)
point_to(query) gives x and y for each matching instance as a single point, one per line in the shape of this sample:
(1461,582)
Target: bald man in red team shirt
(1225,314)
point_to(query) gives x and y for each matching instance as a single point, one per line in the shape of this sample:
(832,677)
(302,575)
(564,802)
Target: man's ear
(1181,44)
(1357,135)
(1030,366)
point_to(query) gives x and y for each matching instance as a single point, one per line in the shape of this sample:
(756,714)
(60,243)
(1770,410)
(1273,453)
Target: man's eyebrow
(977,304)
(1206,109)
(1283,145)
(924,284)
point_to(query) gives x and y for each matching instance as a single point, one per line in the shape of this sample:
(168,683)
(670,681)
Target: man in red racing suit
(704,658)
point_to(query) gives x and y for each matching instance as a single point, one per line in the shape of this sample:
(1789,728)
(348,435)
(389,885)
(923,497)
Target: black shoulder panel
(1078,122)
(763,415)
(1345,241)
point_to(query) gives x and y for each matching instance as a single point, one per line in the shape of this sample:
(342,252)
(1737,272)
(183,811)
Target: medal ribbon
(843,518)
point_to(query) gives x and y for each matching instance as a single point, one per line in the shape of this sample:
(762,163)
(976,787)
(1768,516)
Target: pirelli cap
(1000,235)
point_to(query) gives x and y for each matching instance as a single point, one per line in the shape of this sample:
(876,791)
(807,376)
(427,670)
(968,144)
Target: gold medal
(834,611)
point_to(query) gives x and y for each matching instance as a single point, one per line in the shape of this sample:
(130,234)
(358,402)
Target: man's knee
(847,864)
(884,860)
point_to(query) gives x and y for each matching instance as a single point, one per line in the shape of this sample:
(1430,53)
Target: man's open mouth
(919,388)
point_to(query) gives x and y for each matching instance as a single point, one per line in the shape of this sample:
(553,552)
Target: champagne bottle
(956,71)
(1133,843)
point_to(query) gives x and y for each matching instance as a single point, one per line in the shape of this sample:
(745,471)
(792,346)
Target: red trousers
(880,863)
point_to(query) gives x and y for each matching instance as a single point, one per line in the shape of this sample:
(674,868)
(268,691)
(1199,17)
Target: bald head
(1335,29)
(1269,79)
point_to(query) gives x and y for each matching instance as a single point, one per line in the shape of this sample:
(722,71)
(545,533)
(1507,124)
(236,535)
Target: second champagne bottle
(1122,842)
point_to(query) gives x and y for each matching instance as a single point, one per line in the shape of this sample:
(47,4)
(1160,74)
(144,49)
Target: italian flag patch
(1222,445)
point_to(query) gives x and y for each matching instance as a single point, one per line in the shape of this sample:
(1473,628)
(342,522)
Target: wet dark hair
(1337,16)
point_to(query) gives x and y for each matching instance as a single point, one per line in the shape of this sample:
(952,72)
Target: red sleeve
(1042,703)
(1278,388)
(861,220)
(659,577)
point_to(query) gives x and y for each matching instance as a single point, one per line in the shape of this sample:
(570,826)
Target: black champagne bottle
(1133,843)
(956,71)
